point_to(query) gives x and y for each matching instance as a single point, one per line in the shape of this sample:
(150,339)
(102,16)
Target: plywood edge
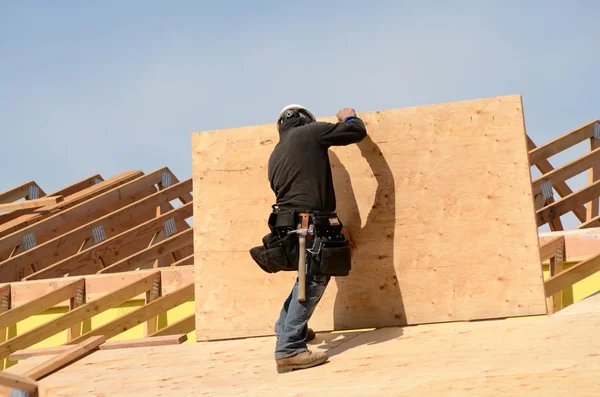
(235,129)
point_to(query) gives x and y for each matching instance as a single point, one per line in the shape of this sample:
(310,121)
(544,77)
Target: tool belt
(328,247)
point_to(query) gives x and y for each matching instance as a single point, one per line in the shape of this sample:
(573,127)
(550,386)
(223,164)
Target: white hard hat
(294,107)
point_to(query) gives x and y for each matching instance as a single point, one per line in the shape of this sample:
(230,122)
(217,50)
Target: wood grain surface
(438,200)
(538,356)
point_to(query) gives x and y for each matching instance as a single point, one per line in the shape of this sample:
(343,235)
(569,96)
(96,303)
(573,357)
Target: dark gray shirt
(299,169)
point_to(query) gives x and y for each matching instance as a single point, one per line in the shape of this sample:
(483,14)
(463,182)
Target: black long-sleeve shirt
(299,170)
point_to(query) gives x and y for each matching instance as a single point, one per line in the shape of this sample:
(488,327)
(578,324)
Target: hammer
(302,232)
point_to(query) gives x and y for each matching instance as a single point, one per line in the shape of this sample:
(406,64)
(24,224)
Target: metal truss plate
(597,130)
(79,296)
(165,179)
(169,227)
(98,234)
(546,189)
(34,192)
(28,241)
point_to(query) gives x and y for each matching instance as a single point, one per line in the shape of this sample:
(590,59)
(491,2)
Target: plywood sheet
(438,199)
(496,358)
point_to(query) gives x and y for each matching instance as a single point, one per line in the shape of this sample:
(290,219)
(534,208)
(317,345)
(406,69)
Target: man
(300,176)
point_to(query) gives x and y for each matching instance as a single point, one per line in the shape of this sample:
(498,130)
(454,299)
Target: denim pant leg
(293,321)
(283,314)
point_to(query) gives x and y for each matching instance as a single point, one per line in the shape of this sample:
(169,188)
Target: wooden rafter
(183,326)
(97,285)
(568,170)
(572,275)
(79,186)
(66,357)
(68,202)
(78,315)
(566,204)
(173,243)
(18,224)
(141,314)
(187,261)
(18,382)
(111,248)
(562,188)
(81,214)
(42,303)
(118,221)
(31,204)
(19,192)
(109,345)
(66,191)
(561,143)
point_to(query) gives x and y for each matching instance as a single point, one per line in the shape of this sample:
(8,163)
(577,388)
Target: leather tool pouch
(279,251)
(331,254)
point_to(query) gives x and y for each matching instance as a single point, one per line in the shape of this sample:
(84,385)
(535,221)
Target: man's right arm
(350,129)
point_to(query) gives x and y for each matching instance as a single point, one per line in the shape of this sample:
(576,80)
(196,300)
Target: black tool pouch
(331,254)
(279,251)
(334,259)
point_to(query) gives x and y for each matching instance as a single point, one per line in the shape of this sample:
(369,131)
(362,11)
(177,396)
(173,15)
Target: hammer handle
(302,270)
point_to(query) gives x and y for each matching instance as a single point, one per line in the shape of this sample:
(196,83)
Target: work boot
(310,335)
(302,360)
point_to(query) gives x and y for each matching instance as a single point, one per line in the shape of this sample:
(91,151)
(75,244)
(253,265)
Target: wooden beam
(561,143)
(183,326)
(186,197)
(173,243)
(548,249)
(37,203)
(66,191)
(592,223)
(580,244)
(75,301)
(5,305)
(187,261)
(568,170)
(593,176)
(19,192)
(568,203)
(59,247)
(556,267)
(15,226)
(141,314)
(116,244)
(18,382)
(66,357)
(45,302)
(152,323)
(79,186)
(562,188)
(109,345)
(98,285)
(77,315)
(572,275)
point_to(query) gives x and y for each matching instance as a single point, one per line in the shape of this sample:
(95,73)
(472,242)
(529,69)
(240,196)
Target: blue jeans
(292,326)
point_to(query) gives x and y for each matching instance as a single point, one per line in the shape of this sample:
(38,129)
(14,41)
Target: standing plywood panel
(438,200)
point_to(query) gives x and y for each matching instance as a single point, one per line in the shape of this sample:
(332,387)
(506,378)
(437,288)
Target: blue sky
(109,86)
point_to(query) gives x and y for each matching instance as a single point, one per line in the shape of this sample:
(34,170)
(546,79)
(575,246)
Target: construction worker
(300,176)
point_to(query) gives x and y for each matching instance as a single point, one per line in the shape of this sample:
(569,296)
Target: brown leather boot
(302,360)
(311,335)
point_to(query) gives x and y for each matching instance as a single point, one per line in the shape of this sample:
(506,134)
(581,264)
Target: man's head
(298,113)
